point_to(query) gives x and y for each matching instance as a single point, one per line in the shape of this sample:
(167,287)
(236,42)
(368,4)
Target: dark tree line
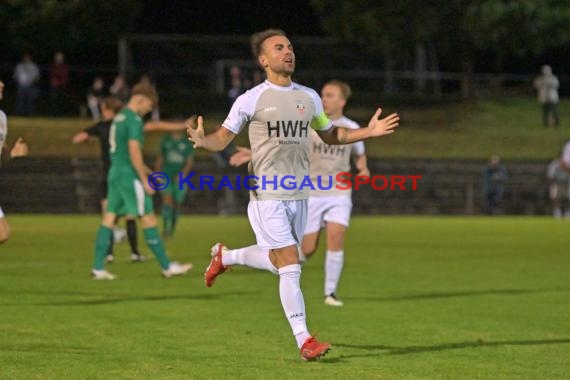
(450,31)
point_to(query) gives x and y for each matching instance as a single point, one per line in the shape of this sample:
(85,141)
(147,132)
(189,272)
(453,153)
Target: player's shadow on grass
(116,299)
(379,349)
(466,293)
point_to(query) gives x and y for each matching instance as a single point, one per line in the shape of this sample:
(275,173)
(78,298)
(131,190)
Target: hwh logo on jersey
(333,150)
(298,128)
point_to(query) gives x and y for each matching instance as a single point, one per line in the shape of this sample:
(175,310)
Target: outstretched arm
(80,137)
(213,142)
(86,134)
(20,149)
(241,156)
(376,128)
(167,126)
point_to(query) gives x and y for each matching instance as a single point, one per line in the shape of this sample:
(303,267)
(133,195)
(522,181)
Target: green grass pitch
(425,298)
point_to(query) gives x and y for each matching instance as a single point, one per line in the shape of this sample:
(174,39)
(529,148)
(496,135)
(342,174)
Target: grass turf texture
(446,298)
(512,127)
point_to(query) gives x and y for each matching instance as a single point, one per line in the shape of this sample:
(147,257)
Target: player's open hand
(148,189)
(20,149)
(242,156)
(196,133)
(380,127)
(364,172)
(191,121)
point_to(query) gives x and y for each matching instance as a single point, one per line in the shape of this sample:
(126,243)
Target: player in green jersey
(129,190)
(176,156)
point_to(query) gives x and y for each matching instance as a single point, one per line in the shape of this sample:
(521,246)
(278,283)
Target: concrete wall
(446,188)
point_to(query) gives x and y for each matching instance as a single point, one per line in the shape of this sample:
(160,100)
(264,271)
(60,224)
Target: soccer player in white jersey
(331,208)
(279,114)
(328,208)
(20,149)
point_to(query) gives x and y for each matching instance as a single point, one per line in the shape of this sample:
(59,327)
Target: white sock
(292,301)
(557,213)
(301,338)
(333,269)
(253,256)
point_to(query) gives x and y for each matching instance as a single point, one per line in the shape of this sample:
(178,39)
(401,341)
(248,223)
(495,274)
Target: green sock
(167,219)
(102,243)
(154,242)
(175,215)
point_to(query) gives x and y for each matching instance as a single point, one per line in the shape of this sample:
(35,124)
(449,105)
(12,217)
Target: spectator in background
(247,84)
(120,89)
(257,77)
(494,178)
(558,191)
(235,72)
(235,91)
(547,85)
(236,88)
(95,96)
(252,80)
(26,75)
(59,77)
(146,79)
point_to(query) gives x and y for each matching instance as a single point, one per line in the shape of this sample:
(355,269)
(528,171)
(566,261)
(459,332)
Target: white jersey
(3,129)
(329,160)
(279,120)
(547,86)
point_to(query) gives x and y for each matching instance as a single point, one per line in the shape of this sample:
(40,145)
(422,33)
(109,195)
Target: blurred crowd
(241,81)
(119,89)
(27,76)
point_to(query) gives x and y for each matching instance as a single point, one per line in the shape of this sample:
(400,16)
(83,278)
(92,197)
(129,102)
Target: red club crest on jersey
(301,108)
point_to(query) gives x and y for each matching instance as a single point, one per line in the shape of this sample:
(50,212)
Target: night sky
(296,17)
(230,17)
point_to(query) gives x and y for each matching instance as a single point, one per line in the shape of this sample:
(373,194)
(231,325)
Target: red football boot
(313,349)
(216,267)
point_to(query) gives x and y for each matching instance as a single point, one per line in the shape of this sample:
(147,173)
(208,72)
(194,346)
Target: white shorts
(278,224)
(1,213)
(333,209)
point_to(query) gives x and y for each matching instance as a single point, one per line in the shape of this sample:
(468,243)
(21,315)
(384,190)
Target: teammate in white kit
(331,208)
(328,208)
(20,149)
(279,114)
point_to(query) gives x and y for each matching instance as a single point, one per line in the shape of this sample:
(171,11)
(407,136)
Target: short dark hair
(344,87)
(258,38)
(113,103)
(147,90)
